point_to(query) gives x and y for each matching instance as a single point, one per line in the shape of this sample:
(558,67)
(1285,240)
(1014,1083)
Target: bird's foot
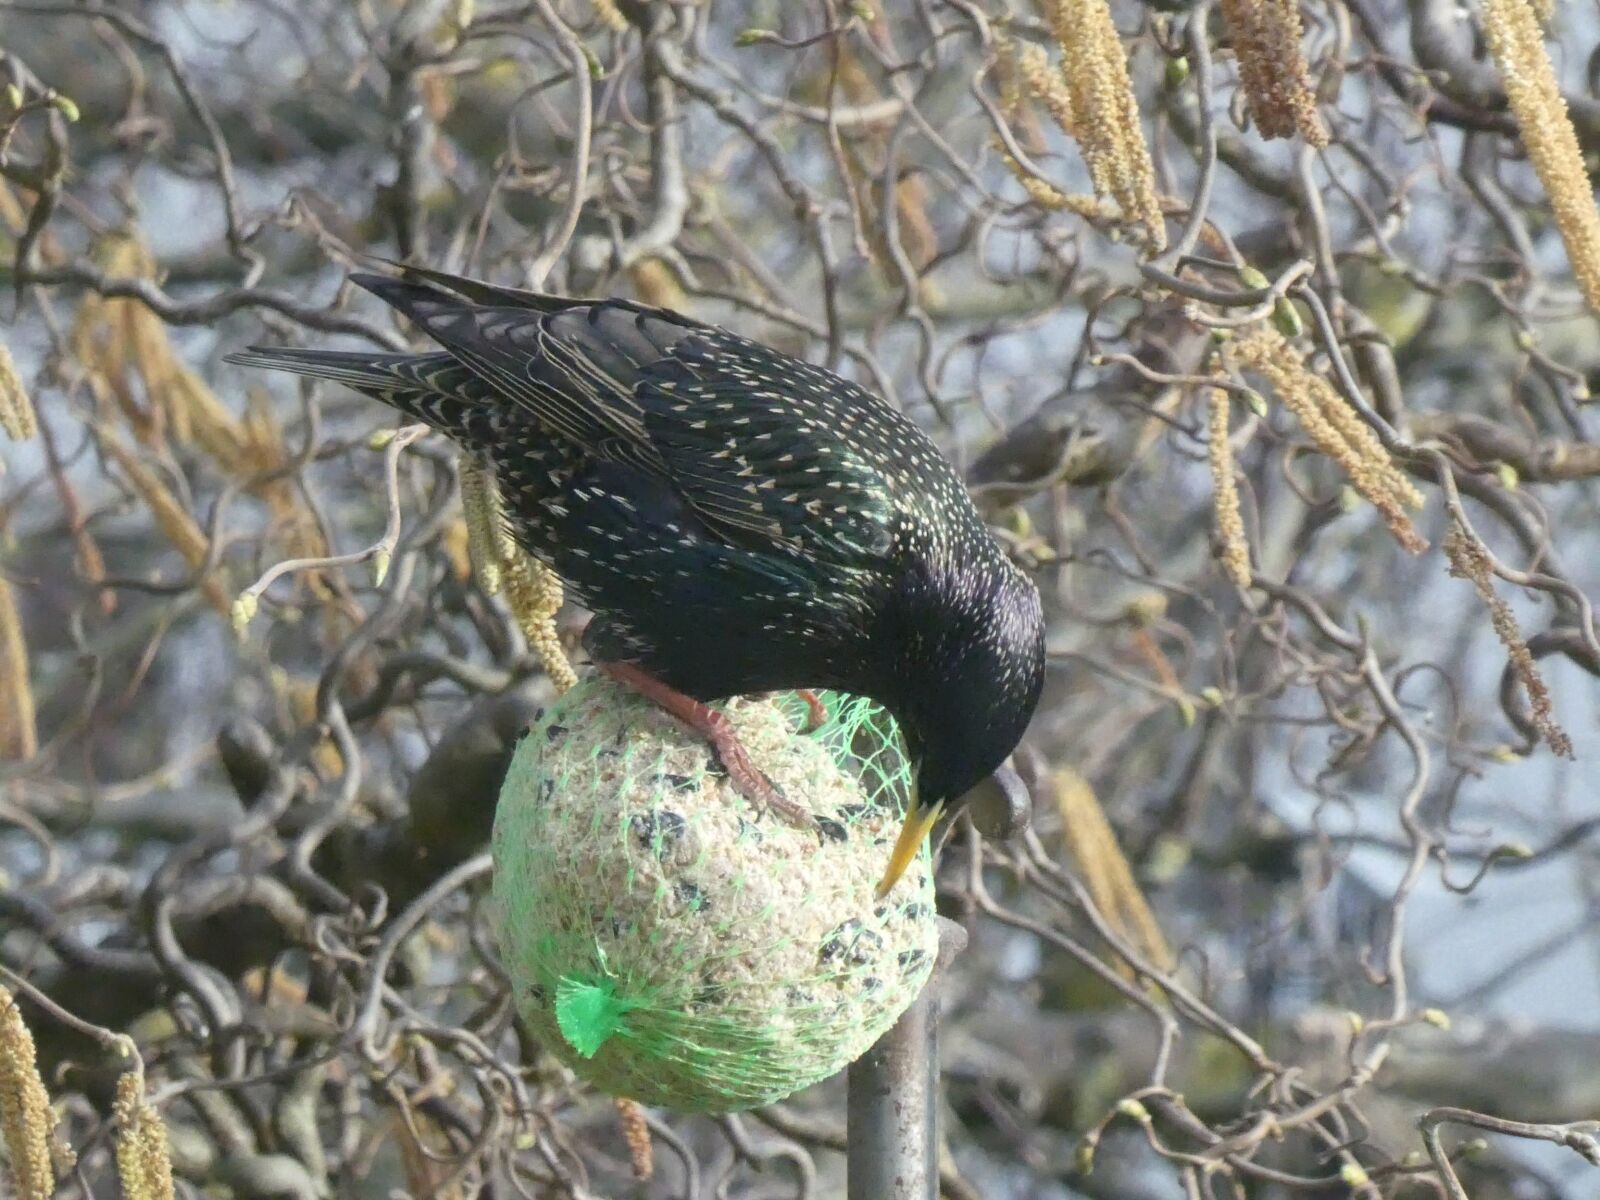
(747,778)
(818,715)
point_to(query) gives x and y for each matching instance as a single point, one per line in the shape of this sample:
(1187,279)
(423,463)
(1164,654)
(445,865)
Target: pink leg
(715,728)
(819,711)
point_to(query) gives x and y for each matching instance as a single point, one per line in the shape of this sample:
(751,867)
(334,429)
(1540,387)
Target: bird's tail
(432,388)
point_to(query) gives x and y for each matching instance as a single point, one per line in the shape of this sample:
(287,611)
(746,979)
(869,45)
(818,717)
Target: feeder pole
(893,1105)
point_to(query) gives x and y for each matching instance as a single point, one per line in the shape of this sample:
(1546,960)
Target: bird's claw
(752,783)
(817,711)
(748,779)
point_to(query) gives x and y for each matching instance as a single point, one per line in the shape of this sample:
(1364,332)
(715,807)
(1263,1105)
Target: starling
(737,520)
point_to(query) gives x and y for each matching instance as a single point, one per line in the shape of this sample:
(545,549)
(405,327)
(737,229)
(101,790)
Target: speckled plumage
(738,520)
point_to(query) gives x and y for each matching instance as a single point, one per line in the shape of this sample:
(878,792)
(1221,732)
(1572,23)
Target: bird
(737,520)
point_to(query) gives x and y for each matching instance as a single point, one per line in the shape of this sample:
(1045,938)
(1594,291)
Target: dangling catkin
(19,738)
(535,595)
(1337,431)
(144,1161)
(610,15)
(1225,492)
(1104,112)
(487,543)
(1511,27)
(636,1132)
(1272,68)
(1025,71)
(1469,560)
(657,285)
(170,517)
(16,410)
(1104,868)
(26,1118)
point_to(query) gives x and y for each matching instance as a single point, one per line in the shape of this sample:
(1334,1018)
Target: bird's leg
(751,783)
(818,716)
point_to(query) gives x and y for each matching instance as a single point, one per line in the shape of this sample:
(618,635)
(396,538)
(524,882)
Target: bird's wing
(359,369)
(574,365)
(772,453)
(771,450)
(489,293)
(430,387)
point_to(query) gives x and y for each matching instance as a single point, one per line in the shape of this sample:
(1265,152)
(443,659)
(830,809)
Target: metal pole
(893,1106)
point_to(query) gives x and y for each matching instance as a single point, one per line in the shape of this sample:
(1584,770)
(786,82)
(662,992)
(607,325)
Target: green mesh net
(672,943)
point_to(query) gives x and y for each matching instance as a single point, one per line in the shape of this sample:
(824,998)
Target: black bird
(737,520)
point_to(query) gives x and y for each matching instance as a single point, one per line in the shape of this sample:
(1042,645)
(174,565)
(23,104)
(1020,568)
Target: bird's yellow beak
(919,821)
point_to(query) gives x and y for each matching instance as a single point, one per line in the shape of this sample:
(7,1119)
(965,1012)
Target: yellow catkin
(151,359)
(1337,431)
(299,699)
(16,410)
(100,339)
(26,1118)
(1511,27)
(534,593)
(144,1161)
(456,541)
(124,349)
(120,343)
(1046,195)
(1365,443)
(19,737)
(656,285)
(636,1132)
(917,232)
(421,1177)
(1104,111)
(1104,869)
(231,442)
(258,440)
(532,590)
(862,155)
(170,517)
(487,544)
(1008,75)
(13,217)
(459,19)
(1015,92)
(610,15)
(1469,560)
(1272,68)
(1025,71)
(119,340)
(1225,492)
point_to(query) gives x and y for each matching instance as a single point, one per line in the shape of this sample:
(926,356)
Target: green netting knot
(588,1013)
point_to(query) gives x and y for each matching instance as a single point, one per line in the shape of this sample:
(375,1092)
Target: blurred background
(1360,881)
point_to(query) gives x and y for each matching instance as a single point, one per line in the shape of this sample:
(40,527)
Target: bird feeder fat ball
(672,944)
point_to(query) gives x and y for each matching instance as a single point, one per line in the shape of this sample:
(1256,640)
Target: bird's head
(968,691)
